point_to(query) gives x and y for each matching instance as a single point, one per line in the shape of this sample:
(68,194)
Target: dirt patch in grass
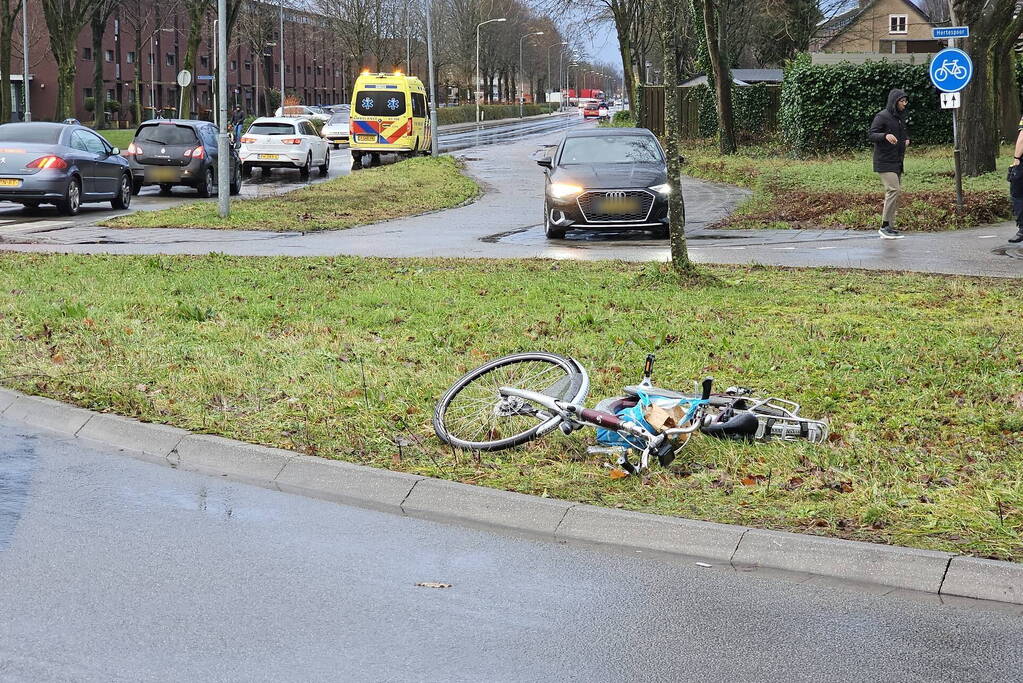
(397,190)
(920,376)
(843,192)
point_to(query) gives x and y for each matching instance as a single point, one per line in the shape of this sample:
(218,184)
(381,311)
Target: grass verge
(118,137)
(844,192)
(393,191)
(344,358)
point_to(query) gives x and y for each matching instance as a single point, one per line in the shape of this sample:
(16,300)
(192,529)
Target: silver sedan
(61,164)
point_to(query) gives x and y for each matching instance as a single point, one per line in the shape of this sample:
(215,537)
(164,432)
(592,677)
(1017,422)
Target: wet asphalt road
(115,569)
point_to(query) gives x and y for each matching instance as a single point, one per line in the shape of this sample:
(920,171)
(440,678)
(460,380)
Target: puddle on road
(17,463)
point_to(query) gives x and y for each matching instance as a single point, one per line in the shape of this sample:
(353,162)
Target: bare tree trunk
(722,77)
(625,48)
(672,136)
(8,14)
(137,81)
(196,15)
(98,24)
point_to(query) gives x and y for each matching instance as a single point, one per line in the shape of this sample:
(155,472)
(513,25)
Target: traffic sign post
(951,71)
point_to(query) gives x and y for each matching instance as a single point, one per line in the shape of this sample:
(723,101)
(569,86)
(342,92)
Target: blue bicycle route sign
(951,69)
(946,32)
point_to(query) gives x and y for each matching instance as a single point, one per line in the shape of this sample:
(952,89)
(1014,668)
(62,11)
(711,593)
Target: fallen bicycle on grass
(518,398)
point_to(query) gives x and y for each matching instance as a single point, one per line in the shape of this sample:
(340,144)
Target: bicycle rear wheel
(472,414)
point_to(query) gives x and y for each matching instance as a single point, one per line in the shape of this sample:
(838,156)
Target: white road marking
(784,248)
(33,226)
(734,248)
(985,237)
(822,248)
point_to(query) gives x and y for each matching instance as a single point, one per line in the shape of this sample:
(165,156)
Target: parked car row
(68,164)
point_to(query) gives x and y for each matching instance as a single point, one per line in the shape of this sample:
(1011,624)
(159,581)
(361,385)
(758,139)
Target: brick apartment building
(315,70)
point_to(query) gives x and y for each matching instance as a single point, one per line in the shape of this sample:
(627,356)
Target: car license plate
(268,156)
(10,182)
(163,174)
(366,138)
(618,205)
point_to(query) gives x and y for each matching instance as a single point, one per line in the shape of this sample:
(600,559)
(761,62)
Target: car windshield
(339,118)
(270,128)
(21,132)
(166,134)
(380,103)
(611,149)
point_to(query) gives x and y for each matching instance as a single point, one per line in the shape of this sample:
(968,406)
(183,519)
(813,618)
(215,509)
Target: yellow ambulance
(389,115)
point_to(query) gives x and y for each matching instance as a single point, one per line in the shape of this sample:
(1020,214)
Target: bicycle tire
(450,428)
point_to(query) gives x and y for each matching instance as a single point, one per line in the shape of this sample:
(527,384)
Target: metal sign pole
(955,148)
(223,140)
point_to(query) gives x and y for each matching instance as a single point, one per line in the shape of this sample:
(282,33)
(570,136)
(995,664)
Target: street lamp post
(550,85)
(223,143)
(282,56)
(522,94)
(479,79)
(434,148)
(408,39)
(24,55)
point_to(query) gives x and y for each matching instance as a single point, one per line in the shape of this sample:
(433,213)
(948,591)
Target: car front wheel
(124,192)
(549,231)
(71,203)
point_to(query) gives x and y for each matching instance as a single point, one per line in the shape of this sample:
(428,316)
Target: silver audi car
(61,164)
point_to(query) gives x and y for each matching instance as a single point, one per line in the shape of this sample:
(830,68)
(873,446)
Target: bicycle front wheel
(472,414)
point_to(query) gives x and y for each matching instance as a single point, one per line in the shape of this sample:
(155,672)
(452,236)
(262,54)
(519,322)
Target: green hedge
(751,110)
(466,113)
(827,108)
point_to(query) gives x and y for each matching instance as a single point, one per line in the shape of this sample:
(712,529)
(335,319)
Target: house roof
(743,77)
(839,23)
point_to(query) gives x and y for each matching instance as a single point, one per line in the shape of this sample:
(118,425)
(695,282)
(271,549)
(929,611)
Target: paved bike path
(504,223)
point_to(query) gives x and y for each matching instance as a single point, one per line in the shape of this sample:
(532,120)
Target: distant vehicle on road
(283,142)
(591,110)
(606,179)
(303,111)
(390,115)
(61,164)
(335,131)
(169,152)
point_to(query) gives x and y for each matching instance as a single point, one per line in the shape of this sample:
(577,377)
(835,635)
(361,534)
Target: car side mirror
(115,151)
(546,163)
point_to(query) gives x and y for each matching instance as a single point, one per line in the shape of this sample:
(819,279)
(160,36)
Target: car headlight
(664,188)
(564,190)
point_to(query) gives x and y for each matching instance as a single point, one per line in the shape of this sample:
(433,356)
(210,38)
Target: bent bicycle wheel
(472,414)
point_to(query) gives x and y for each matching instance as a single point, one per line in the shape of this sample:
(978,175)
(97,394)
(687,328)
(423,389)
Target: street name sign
(951,69)
(946,32)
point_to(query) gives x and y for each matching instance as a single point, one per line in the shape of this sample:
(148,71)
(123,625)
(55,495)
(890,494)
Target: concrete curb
(827,559)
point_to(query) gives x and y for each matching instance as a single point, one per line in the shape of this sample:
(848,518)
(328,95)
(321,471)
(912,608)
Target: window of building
(308,69)
(87,53)
(204,61)
(170,59)
(289,68)
(130,57)
(896,23)
(234,65)
(110,95)
(277,68)
(88,92)
(248,66)
(149,58)
(108,55)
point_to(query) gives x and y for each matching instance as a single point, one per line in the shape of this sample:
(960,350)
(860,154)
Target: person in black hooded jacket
(890,136)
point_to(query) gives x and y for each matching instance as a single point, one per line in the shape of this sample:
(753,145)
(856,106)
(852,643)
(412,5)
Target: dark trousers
(1016,192)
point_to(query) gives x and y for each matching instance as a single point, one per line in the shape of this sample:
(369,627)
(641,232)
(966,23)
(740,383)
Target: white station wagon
(283,142)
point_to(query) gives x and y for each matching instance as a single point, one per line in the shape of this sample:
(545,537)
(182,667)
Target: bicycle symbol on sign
(950,67)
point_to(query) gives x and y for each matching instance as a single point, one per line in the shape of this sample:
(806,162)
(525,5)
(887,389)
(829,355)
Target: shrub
(826,108)
(752,110)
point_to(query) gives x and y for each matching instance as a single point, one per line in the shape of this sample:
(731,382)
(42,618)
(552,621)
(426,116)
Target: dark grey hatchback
(606,179)
(169,152)
(61,164)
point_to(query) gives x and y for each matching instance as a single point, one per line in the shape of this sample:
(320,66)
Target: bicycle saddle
(740,427)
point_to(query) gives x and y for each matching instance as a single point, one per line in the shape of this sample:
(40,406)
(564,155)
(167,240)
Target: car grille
(588,202)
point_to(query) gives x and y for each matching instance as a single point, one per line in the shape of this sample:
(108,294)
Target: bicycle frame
(574,416)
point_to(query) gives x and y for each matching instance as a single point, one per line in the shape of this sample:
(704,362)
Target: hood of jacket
(893,98)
